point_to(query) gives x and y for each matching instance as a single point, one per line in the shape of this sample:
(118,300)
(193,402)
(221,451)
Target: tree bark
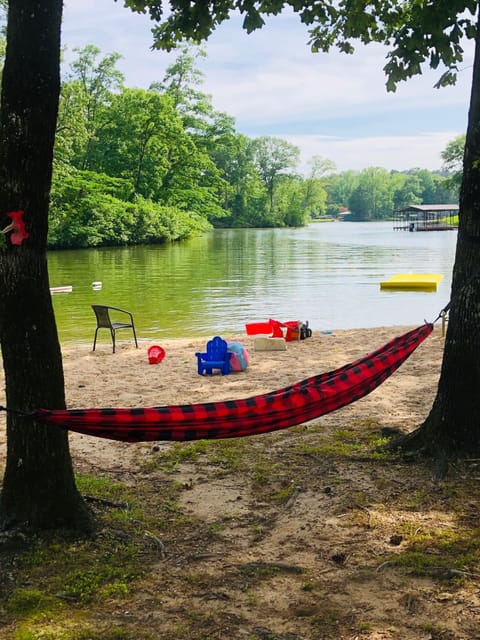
(452,428)
(38,488)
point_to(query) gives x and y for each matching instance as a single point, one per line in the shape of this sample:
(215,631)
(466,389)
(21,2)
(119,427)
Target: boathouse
(426,217)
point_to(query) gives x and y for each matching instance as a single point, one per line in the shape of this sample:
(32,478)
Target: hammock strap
(443,312)
(15,412)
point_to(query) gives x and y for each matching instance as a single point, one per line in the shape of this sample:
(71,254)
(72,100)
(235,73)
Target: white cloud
(392,152)
(272,72)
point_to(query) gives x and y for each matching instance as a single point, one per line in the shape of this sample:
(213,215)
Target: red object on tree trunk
(17,226)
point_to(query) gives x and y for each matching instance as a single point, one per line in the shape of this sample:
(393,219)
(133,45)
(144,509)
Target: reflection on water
(326,273)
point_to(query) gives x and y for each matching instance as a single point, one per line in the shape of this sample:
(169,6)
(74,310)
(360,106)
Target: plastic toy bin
(258,328)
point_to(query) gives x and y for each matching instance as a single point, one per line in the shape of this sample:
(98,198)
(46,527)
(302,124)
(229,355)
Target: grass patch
(226,454)
(358,442)
(80,571)
(442,552)
(156,570)
(31,603)
(66,575)
(179,453)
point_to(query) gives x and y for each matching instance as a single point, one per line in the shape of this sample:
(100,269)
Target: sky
(330,105)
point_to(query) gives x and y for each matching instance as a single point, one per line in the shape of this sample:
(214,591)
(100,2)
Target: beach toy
(273,328)
(258,328)
(240,359)
(155,354)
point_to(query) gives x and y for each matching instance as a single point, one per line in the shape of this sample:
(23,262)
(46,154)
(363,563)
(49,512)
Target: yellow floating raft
(415,281)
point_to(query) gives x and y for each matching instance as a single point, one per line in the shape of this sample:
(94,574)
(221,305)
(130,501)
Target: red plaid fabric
(293,405)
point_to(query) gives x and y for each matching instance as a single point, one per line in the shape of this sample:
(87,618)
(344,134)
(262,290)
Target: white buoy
(96,285)
(66,289)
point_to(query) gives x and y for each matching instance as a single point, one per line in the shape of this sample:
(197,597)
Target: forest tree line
(135,166)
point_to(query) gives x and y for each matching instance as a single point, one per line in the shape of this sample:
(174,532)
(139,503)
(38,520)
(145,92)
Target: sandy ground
(329,544)
(126,379)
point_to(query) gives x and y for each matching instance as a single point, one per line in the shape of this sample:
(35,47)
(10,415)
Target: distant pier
(426,217)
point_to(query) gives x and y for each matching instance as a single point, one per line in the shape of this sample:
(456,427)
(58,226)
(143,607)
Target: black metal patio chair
(104,316)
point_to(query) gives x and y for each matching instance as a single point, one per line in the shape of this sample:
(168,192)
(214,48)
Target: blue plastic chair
(217,356)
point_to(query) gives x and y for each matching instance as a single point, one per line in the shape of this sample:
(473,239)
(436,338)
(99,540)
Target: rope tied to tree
(15,411)
(442,313)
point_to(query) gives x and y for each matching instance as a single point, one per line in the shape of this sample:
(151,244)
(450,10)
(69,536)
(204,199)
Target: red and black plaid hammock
(280,409)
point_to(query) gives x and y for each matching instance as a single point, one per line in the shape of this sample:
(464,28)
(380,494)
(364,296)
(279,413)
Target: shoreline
(124,338)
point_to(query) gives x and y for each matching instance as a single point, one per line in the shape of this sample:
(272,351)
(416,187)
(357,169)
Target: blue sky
(329,105)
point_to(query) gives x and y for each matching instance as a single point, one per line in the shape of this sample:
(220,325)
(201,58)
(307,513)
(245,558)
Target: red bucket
(155,354)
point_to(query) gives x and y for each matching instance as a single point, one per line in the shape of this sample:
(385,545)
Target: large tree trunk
(38,488)
(452,428)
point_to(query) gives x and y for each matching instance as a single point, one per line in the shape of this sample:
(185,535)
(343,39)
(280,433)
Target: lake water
(326,273)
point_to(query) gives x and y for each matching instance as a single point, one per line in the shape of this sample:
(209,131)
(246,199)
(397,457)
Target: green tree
(339,189)
(213,132)
(138,138)
(136,135)
(428,183)
(373,197)
(452,157)
(273,157)
(315,194)
(288,202)
(90,209)
(181,82)
(408,190)
(89,90)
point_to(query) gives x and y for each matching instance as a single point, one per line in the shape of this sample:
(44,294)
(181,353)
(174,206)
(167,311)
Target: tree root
(416,446)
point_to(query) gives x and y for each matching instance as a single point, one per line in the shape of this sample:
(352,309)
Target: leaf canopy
(418,33)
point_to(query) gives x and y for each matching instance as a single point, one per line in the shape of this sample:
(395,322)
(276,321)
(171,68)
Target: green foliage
(418,33)
(452,157)
(339,188)
(135,166)
(169,459)
(156,223)
(86,211)
(273,157)
(375,193)
(180,83)
(85,97)
(373,197)
(30,603)
(315,187)
(441,552)
(144,141)
(290,202)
